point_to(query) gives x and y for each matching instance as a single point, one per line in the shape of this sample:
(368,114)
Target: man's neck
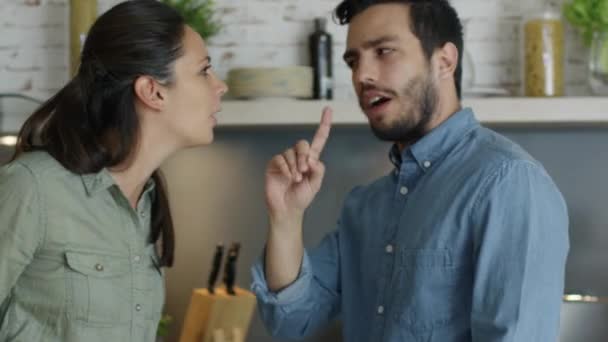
(444,110)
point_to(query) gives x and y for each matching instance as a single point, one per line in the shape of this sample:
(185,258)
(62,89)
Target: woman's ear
(149,92)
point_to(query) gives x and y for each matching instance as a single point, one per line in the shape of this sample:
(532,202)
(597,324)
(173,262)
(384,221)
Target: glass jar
(82,15)
(543,53)
(598,63)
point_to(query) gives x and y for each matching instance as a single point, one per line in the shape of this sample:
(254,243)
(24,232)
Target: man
(465,240)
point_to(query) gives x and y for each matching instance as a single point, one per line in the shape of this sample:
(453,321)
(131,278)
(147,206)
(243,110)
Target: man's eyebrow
(350,53)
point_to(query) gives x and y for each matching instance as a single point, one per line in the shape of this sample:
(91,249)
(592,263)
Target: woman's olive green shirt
(76,263)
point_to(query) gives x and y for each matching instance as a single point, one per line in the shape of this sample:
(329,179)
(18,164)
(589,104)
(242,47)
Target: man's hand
(294,177)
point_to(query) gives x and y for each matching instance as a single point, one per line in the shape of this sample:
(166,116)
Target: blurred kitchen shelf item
(568,111)
(477,92)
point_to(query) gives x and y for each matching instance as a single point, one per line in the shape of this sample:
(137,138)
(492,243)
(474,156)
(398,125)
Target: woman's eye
(205,71)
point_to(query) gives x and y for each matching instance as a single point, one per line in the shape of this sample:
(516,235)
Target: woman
(83,209)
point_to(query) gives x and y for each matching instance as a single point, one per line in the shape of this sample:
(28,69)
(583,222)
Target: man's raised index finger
(322,134)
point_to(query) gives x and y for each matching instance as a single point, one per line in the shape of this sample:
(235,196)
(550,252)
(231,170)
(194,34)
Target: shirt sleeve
(521,244)
(311,301)
(21,226)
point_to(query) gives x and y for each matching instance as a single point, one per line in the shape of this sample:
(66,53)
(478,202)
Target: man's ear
(447,60)
(149,92)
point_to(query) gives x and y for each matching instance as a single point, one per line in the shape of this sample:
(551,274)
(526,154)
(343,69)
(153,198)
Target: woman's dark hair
(91,123)
(433,22)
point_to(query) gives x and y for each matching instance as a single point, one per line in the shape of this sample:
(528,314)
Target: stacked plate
(293,81)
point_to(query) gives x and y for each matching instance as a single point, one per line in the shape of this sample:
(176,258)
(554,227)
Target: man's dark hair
(433,22)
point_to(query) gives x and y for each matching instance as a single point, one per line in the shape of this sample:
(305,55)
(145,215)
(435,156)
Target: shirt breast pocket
(99,287)
(425,285)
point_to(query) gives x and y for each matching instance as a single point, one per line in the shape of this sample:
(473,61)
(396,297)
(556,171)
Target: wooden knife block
(218,317)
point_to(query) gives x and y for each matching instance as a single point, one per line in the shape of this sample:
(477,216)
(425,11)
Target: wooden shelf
(510,111)
(499,110)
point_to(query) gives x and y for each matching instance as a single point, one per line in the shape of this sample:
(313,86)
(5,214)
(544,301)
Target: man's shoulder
(488,151)
(492,158)
(491,145)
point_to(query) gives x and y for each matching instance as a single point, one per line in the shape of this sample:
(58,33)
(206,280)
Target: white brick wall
(34,41)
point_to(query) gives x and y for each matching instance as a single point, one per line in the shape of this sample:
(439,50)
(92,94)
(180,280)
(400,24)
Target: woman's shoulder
(31,169)
(18,181)
(39,163)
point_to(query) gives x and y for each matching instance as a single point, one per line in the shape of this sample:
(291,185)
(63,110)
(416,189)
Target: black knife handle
(230,267)
(215,267)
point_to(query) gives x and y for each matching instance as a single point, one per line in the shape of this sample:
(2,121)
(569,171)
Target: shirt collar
(431,148)
(103,180)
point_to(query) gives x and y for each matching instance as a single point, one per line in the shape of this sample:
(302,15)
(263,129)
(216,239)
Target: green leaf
(603,13)
(577,12)
(604,55)
(163,325)
(588,36)
(198,14)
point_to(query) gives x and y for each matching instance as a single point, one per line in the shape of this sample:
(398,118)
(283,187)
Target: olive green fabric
(76,263)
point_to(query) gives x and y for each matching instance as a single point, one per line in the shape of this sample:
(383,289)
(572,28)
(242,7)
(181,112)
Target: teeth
(375,100)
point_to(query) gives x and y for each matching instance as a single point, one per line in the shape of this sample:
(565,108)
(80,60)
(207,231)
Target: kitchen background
(217,191)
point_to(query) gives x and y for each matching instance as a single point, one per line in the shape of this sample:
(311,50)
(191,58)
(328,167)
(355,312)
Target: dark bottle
(321,61)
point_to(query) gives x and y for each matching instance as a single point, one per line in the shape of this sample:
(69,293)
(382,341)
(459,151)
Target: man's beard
(410,126)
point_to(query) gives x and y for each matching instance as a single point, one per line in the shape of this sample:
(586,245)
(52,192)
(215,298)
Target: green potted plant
(163,327)
(199,14)
(590,18)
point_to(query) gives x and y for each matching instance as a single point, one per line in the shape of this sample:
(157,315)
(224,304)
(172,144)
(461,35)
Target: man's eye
(384,51)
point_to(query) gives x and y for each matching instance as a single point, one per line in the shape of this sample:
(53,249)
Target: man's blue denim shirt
(465,240)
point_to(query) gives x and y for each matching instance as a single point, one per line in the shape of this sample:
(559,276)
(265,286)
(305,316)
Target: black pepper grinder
(321,60)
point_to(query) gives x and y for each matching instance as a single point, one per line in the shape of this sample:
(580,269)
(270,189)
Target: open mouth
(377,101)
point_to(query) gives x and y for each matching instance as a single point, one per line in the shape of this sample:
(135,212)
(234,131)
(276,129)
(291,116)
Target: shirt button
(389,249)
(380,310)
(137,307)
(137,258)
(427,164)
(99,267)
(403,190)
